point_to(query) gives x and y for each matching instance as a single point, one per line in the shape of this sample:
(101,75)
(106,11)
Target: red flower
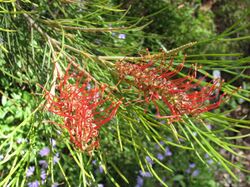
(182,95)
(81,105)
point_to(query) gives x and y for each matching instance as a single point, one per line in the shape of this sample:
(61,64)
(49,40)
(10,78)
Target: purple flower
(188,170)
(44,151)
(43,175)
(122,36)
(160,156)
(139,181)
(100,185)
(55,184)
(43,163)
(100,169)
(30,171)
(33,184)
(209,126)
(207,156)
(192,165)
(56,158)
(149,160)
(168,152)
(145,174)
(210,161)
(195,173)
(157,145)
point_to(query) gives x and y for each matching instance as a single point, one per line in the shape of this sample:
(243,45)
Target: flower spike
(161,83)
(81,106)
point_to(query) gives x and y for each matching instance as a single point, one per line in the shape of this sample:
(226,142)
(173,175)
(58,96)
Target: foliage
(174,22)
(39,39)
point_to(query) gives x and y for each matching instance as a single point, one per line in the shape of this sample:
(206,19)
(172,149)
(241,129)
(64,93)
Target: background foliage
(136,149)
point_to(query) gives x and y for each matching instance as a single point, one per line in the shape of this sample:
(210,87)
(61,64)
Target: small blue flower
(30,171)
(43,163)
(43,175)
(100,169)
(209,126)
(44,151)
(145,174)
(188,170)
(207,156)
(157,146)
(122,36)
(168,152)
(192,165)
(195,173)
(100,185)
(160,156)
(94,162)
(139,181)
(149,160)
(210,161)
(56,158)
(33,184)
(1,157)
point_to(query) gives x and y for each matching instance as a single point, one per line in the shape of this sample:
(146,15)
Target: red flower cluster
(182,95)
(83,108)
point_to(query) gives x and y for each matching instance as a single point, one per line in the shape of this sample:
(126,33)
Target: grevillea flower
(83,108)
(182,95)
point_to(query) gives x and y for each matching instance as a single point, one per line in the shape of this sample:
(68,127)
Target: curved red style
(81,106)
(182,95)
